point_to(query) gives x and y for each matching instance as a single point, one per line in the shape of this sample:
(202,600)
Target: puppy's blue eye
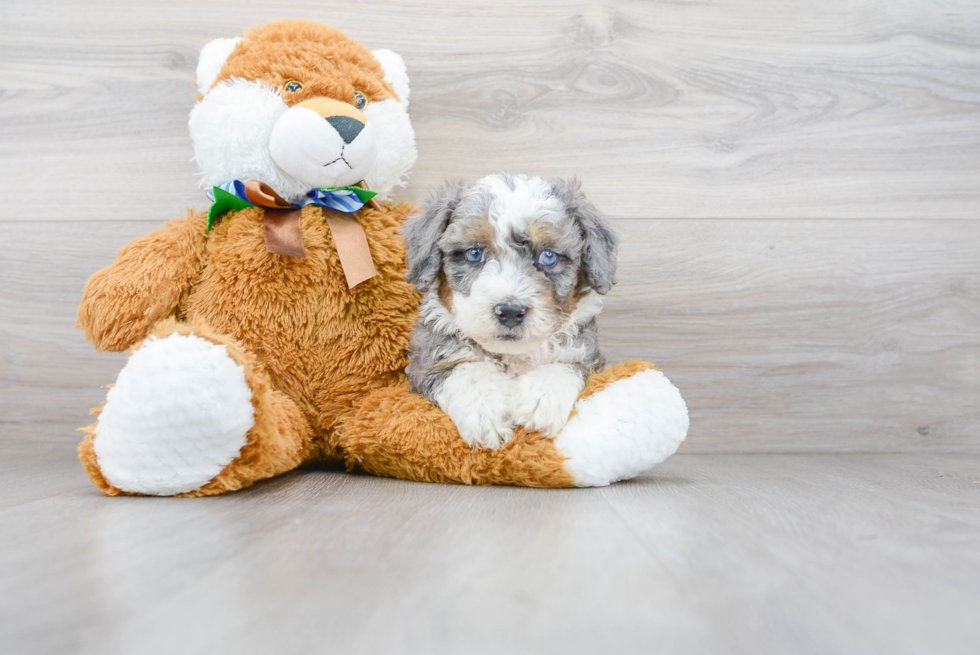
(547,258)
(474,255)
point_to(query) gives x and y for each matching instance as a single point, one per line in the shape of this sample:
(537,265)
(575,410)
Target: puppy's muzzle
(510,315)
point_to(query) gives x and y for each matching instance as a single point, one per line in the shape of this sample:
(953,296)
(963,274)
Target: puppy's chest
(553,351)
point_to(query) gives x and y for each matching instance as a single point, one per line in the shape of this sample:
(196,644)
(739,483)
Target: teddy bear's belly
(322,344)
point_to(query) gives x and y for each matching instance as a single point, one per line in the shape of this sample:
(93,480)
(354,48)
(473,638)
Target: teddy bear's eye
(360,100)
(293,86)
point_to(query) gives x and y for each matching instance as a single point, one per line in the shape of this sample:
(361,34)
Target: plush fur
(321,365)
(250,124)
(184,401)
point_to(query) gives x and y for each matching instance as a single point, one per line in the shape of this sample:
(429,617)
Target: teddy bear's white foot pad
(180,412)
(624,430)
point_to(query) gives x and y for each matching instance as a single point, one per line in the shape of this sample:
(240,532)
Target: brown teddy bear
(273,330)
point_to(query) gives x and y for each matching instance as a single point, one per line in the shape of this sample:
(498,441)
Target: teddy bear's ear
(395,73)
(213,57)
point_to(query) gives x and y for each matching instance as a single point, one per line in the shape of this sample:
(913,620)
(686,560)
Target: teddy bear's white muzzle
(323,151)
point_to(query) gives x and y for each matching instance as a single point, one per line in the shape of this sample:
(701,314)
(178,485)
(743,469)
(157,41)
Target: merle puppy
(512,269)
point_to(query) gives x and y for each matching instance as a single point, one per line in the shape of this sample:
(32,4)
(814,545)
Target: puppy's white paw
(484,427)
(543,398)
(476,396)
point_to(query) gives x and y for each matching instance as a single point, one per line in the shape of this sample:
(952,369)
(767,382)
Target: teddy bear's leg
(192,413)
(627,419)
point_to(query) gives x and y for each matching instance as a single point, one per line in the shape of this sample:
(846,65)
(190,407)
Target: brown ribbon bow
(283,235)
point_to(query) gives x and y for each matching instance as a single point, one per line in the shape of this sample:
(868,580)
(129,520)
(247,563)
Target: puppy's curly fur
(513,269)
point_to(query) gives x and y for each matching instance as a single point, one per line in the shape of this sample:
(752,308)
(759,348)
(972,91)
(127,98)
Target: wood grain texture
(726,108)
(755,554)
(784,336)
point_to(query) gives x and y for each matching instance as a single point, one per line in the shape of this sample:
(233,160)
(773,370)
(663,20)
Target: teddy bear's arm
(149,279)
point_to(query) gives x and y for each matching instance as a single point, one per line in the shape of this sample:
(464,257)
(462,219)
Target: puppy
(512,269)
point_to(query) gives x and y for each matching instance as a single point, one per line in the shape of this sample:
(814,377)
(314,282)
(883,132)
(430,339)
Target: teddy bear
(272,330)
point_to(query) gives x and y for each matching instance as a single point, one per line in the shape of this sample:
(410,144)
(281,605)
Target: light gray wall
(796,184)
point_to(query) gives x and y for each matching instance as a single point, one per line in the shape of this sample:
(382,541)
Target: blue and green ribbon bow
(232,196)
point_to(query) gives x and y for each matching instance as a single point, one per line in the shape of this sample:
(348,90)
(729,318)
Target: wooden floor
(797,188)
(709,554)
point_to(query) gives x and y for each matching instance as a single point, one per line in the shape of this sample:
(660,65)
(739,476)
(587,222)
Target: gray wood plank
(708,554)
(756,109)
(784,336)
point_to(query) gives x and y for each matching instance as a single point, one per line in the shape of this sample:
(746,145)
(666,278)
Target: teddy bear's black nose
(510,315)
(348,128)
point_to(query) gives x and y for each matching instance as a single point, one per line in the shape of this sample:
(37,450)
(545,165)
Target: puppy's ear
(422,231)
(599,252)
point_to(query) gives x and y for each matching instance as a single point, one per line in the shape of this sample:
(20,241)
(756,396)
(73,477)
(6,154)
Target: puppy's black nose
(510,315)
(348,128)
